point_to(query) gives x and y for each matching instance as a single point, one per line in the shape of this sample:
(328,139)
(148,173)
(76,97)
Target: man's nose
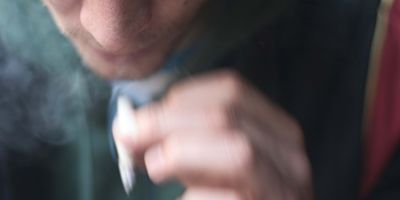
(111,22)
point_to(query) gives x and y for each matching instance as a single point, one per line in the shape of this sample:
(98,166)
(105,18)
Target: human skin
(215,133)
(125,39)
(231,145)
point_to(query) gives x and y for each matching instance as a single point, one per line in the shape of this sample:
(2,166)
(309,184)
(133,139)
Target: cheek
(63,5)
(65,14)
(176,12)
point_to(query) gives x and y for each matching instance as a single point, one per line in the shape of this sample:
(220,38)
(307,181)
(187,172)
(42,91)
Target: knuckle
(233,195)
(297,133)
(229,74)
(226,194)
(154,121)
(236,196)
(225,117)
(232,82)
(172,153)
(244,154)
(172,97)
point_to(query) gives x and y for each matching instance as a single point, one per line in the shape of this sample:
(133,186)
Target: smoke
(46,94)
(15,84)
(38,108)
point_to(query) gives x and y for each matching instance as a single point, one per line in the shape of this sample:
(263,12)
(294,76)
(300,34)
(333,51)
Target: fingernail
(155,164)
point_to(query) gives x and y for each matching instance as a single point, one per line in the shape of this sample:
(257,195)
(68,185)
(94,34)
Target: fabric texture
(383,125)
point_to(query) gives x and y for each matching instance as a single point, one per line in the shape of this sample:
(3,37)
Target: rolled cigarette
(125,121)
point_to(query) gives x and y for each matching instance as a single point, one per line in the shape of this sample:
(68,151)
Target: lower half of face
(125,39)
(132,63)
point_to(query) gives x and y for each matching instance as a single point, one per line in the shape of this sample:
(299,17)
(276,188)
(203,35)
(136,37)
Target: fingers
(209,102)
(201,193)
(207,133)
(217,88)
(156,121)
(201,159)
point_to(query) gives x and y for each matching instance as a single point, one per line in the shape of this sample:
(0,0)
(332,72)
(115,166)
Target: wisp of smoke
(45,92)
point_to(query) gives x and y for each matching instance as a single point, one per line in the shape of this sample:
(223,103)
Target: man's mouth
(119,57)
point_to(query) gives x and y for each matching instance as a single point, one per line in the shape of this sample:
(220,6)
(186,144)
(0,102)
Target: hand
(223,140)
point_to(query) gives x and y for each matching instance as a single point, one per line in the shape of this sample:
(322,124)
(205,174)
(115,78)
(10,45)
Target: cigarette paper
(125,120)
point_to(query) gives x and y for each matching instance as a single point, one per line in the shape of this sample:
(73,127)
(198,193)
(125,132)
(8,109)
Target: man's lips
(118,57)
